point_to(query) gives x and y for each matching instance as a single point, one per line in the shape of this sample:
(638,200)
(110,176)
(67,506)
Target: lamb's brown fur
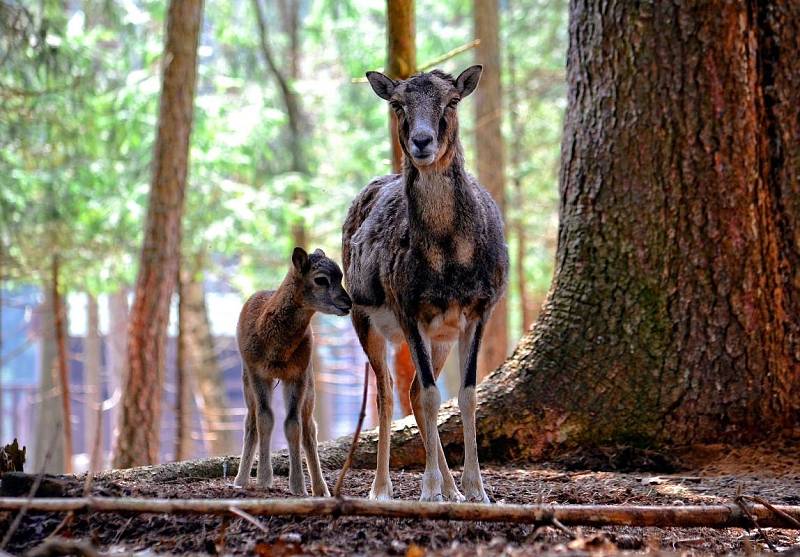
(275,343)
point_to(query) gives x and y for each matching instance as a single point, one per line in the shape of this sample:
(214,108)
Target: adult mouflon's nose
(422,140)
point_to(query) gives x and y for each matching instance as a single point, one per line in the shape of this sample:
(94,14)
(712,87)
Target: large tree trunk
(490,160)
(673,315)
(138,441)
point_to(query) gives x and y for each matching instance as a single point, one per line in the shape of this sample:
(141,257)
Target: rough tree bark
(489,149)
(138,440)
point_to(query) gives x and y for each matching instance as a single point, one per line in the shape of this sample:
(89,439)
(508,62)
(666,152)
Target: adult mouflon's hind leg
(439,353)
(374,346)
(468,345)
(318,486)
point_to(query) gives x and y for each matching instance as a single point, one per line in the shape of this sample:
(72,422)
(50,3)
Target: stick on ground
(668,516)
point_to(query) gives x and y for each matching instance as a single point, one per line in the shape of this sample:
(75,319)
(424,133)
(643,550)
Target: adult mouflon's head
(425,105)
(321,278)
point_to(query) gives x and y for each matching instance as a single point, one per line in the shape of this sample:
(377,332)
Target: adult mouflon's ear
(382,85)
(300,260)
(319,252)
(468,80)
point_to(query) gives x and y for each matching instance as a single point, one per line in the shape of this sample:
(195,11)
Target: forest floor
(712,476)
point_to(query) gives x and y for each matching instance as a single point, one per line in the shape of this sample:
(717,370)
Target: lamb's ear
(319,252)
(468,80)
(300,260)
(382,85)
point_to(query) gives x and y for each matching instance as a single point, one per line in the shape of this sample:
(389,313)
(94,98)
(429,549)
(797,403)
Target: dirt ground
(771,474)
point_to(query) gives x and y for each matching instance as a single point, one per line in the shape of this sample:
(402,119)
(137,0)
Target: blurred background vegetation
(79,88)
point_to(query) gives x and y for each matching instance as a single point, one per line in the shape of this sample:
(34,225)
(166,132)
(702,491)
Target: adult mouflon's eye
(322,281)
(397,107)
(453,103)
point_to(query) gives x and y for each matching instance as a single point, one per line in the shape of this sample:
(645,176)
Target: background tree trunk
(183,389)
(62,364)
(50,413)
(672,318)
(401,63)
(138,441)
(490,159)
(201,359)
(92,364)
(116,352)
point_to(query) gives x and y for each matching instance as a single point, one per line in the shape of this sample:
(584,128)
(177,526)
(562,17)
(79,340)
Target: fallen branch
(670,516)
(349,460)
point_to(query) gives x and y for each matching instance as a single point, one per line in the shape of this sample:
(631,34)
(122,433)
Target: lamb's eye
(321,281)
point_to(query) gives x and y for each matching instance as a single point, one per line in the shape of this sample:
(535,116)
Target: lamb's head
(321,280)
(425,105)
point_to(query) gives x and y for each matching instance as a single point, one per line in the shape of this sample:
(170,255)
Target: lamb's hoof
(264,484)
(241,482)
(321,492)
(380,496)
(432,498)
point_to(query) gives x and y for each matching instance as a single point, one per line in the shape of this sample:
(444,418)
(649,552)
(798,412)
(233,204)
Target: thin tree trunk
(401,64)
(490,158)
(116,352)
(138,442)
(49,413)
(183,390)
(92,364)
(60,332)
(201,362)
(402,59)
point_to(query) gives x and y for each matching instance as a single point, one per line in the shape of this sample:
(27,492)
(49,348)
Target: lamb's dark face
(425,105)
(322,282)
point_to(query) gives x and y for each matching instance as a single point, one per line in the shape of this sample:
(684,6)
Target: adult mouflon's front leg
(468,345)
(430,399)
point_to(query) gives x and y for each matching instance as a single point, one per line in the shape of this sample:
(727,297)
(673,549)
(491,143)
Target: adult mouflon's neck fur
(438,196)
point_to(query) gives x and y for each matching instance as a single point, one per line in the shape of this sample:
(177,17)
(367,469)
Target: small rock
(290,537)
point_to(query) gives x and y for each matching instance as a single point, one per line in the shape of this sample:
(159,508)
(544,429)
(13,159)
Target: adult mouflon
(425,261)
(275,343)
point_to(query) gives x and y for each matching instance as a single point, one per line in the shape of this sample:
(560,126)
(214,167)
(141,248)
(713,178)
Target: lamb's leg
(293,398)
(430,399)
(374,346)
(318,486)
(439,356)
(262,396)
(249,443)
(468,345)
